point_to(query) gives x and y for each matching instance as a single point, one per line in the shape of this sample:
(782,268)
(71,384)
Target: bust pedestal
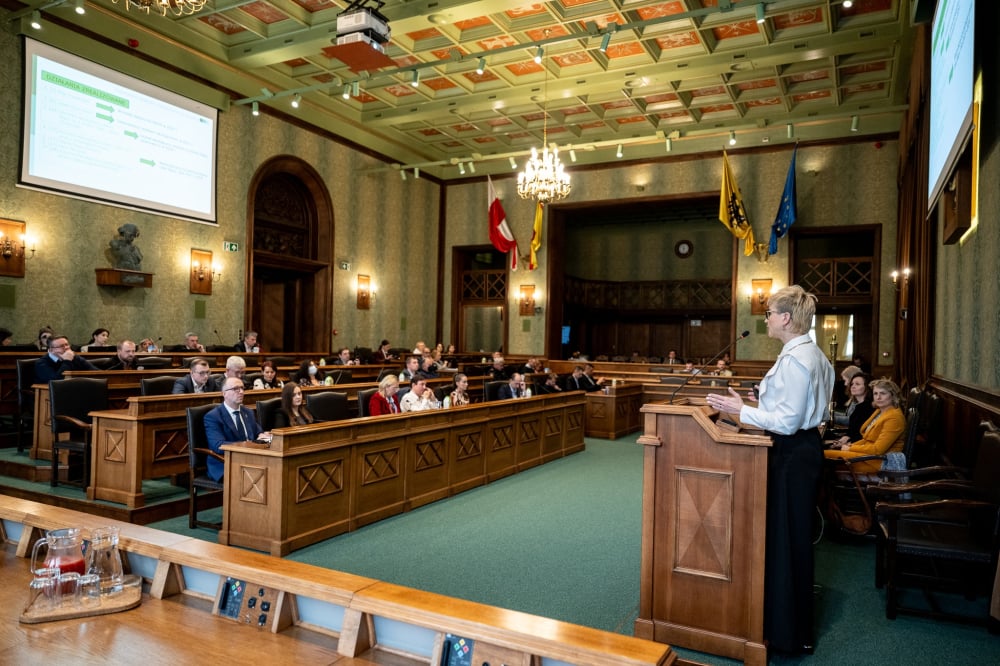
(118,277)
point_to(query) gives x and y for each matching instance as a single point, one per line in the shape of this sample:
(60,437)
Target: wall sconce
(203,272)
(15,248)
(900,279)
(760,291)
(366,292)
(527,300)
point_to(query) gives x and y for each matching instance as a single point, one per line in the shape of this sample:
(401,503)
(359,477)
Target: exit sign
(230,246)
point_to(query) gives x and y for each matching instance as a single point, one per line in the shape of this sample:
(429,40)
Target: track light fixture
(847,4)
(416,172)
(36,20)
(415,81)
(538,55)
(572,155)
(296,100)
(481,67)
(605,41)
(255,109)
(472,166)
(760,13)
(669,144)
(461,168)
(347,92)
(619,153)
(732,138)
(402,174)
(855,123)
(790,130)
(79,8)
(513,163)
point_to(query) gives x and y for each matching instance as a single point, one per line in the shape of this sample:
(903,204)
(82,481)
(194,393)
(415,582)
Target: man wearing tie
(229,423)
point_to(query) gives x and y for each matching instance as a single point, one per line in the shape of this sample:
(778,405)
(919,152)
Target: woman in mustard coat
(882,433)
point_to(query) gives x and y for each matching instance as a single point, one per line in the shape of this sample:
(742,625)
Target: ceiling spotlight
(255,109)
(36,20)
(347,91)
(572,155)
(416,172)
(296,99)
(848,4)
(402,174)
(79,8)
(513,163)
(538,56)
(605,41)
(619,153)
(356,89)
(415,81)
(760,13)
(670,144)
(790,130)
(482,66)
(472,166)
(732,138)
(461,168)
(855,123)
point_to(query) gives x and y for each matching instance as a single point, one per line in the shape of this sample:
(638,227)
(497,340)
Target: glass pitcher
(104,560)
(64,551)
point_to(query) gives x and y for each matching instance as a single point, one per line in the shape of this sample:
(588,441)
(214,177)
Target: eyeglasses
(768,313)
(201,373)
(238,389)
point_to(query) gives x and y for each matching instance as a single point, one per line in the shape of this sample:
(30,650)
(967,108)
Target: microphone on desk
(701,371)
(218,338)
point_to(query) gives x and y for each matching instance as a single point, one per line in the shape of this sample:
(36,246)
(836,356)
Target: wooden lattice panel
(429,454)
(380,465)
(319,480)
(253,484)
(470,445)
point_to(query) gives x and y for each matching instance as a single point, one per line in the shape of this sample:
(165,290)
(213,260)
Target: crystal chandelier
(175,7)
(543,177)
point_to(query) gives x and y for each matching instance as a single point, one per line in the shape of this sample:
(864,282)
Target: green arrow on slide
(143,160)
(106,107)
(133,134)
(104,116)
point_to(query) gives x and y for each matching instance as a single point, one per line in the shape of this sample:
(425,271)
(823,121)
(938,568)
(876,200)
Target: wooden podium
(703,518)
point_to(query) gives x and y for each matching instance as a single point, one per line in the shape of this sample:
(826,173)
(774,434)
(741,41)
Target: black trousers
(794,466)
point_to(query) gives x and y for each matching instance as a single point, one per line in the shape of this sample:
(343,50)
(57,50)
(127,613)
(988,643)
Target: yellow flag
(731,211)
(536,238)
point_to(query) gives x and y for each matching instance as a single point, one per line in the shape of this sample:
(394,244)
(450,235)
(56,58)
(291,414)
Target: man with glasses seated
(198,381)
(513,389)
(230,423)
(58,360)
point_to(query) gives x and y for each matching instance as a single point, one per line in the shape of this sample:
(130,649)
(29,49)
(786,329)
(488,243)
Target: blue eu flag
(787,211)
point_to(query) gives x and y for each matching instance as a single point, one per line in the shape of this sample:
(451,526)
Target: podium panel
(703,527)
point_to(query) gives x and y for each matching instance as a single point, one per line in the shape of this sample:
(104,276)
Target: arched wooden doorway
(290,233)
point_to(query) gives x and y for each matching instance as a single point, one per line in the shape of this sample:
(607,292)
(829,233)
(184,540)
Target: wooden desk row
(317,481)
(321,616)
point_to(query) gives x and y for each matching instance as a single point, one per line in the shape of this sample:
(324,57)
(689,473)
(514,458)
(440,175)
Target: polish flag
(500,234)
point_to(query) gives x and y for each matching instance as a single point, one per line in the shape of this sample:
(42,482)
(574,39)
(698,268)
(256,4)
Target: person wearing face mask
(309,374)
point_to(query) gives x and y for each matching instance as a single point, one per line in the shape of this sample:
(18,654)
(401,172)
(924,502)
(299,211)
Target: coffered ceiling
(691,71)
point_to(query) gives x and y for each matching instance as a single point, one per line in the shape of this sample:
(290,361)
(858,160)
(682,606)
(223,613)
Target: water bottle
(527,393)
(328,381)
(447,401)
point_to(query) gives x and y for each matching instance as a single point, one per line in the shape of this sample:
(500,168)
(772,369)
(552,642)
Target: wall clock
(683,249)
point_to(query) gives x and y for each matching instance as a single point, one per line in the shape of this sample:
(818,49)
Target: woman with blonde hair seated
(385,401)
(882,433)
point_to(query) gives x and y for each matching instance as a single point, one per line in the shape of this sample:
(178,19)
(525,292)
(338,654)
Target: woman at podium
(794,398)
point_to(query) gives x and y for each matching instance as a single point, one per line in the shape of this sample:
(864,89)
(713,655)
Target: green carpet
(563,540)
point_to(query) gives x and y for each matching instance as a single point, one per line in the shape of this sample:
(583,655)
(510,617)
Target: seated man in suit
(125,359)
(235,367)
(230,423)
(58,360)
(512,389)
(411,369)
(248,344)
(550,385)
(344,358)
(498,372)
(198,380)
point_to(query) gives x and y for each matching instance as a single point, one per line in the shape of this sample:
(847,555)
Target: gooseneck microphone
(217,336)
(744,334)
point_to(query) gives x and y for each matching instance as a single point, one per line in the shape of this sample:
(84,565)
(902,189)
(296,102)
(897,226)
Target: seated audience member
(591,383)
(577,381)
(420,348)
(293,411)
(460,396)
(309,374)
(882,433)
(672,358)
(499,372)
(125,357)
(99,338)
(148,345)
(59,358)
(235,367)
(512,389)
(198,379)
(690,369)
(411,369)
(861,363)
(385,400)
(191,343)
(428,368)
(6,337)
(230,423)
(420,397)
(344,358)
(268,377)
(550,385)
(450,351)
(859,408)
(846,375)
(248,344)
(45,334)
(383,354)
(533,366)
(722,369)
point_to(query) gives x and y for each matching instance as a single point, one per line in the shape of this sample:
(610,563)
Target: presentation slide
(952,74)
(96,133)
